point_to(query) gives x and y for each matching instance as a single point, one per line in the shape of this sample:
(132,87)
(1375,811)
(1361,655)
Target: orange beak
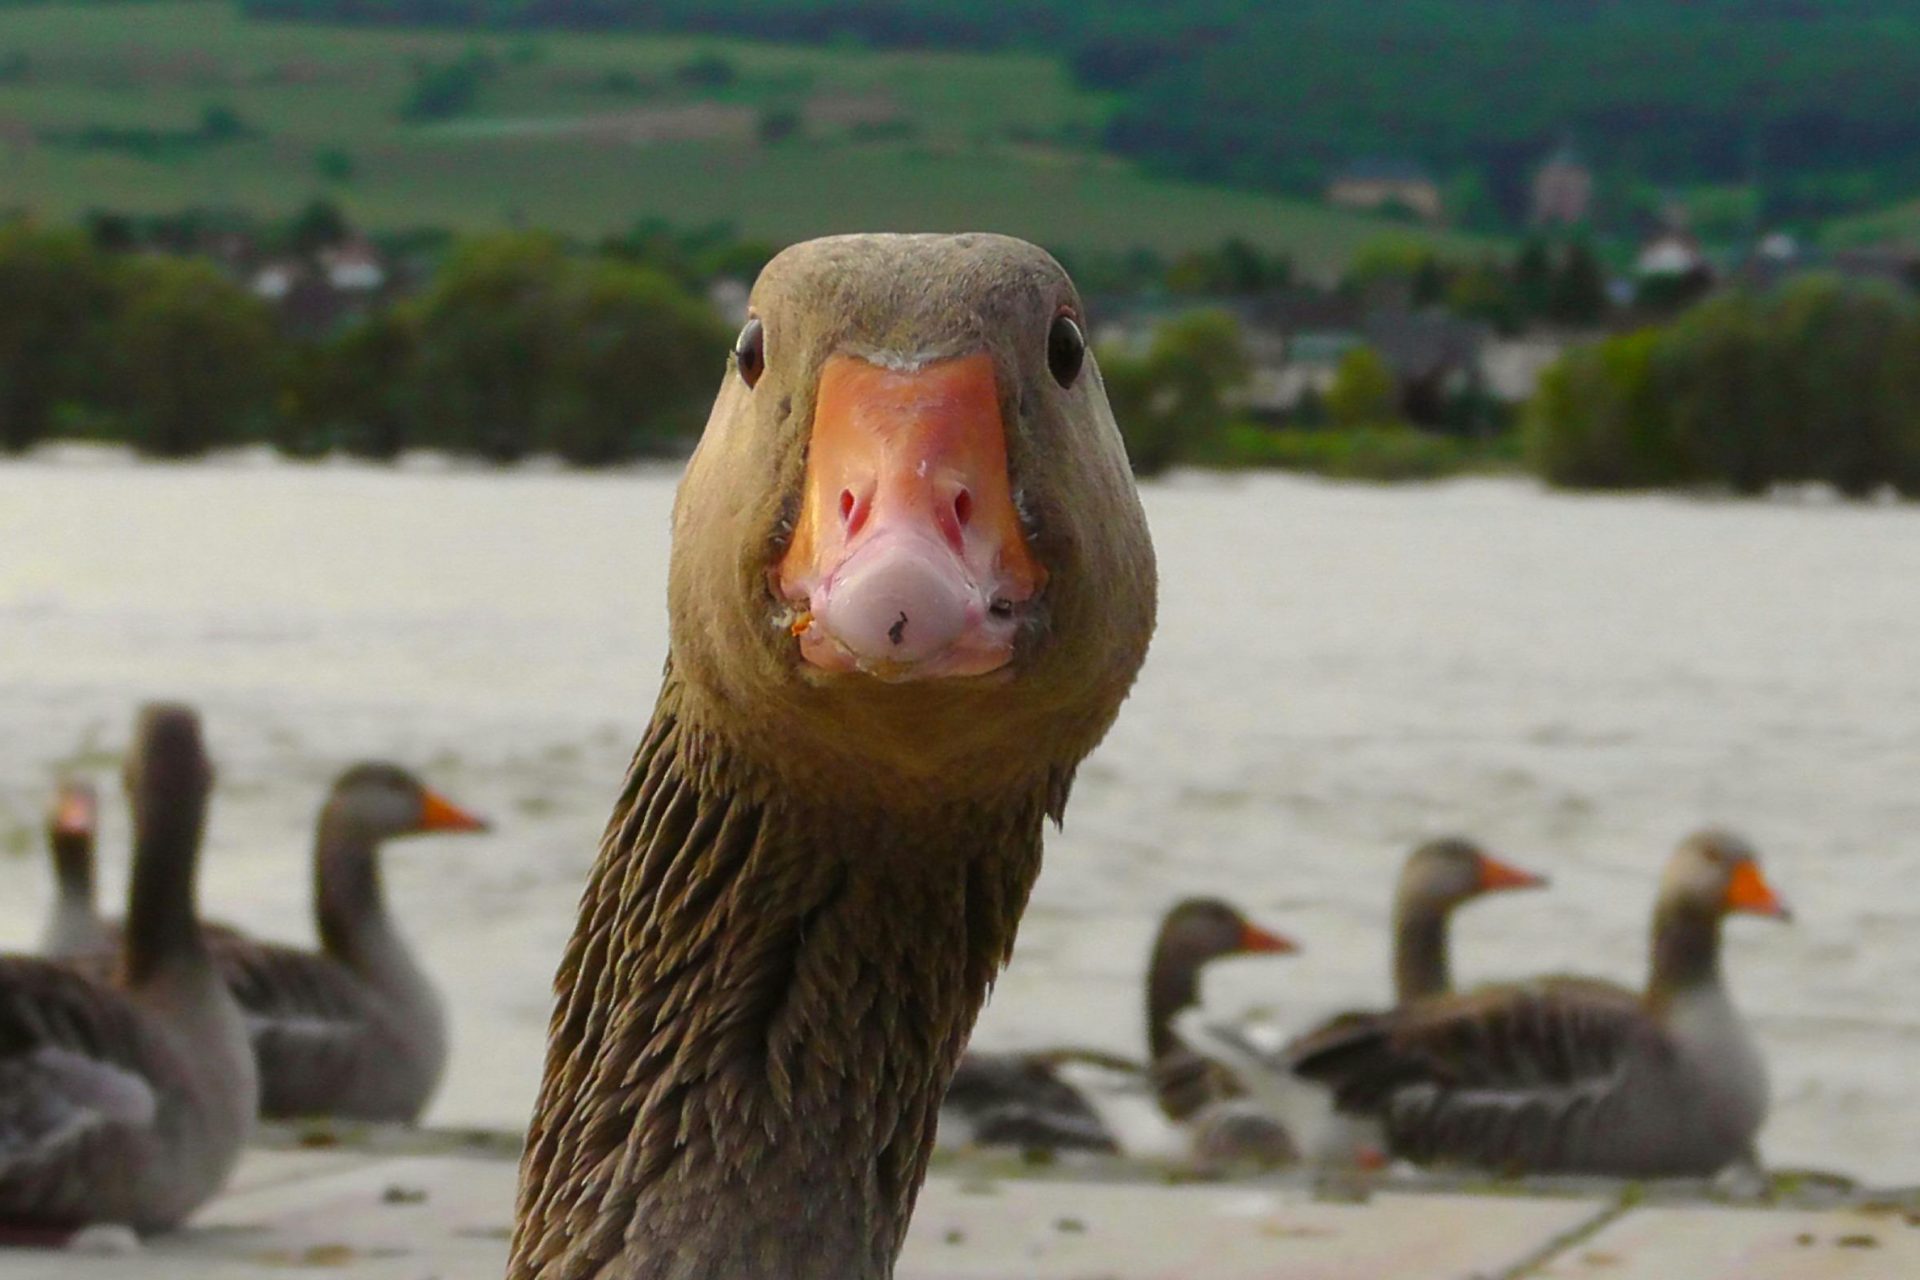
(1749,892)
(1496,875)
(73,811)
(1254,938)
(908,560)
(437,813)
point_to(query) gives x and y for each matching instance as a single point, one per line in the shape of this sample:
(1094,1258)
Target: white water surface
(1339,671)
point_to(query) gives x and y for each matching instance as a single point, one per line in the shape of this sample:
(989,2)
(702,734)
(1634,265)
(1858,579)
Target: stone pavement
(437,1207)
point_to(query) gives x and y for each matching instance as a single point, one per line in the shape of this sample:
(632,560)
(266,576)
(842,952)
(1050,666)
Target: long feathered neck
(1421,964)
(73,866)
(758,1015)
(162,931)
(1173,985)
(1686,950)
(348,901)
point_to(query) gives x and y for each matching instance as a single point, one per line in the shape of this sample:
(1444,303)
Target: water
(1339,672)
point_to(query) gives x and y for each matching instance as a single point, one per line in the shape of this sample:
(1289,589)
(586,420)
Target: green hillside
(155,107)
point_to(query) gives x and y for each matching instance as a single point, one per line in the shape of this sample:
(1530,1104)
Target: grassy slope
(992,143)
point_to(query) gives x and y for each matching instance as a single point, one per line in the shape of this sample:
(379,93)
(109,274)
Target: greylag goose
(356,1029)
(1567,1075)
(1023,1099)
(128,1104)
(74,925)
(911,584)
(1436,879)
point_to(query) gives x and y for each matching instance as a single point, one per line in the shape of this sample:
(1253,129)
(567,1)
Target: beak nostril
(846,505)
(963,507)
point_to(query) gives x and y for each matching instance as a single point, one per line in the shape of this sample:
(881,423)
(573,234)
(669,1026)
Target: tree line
(1815,381)
(518,345)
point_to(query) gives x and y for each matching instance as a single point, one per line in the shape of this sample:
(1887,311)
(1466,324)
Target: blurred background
(418,303)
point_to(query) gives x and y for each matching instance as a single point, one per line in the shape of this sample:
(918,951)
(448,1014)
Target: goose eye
(1066,349)
(750,351)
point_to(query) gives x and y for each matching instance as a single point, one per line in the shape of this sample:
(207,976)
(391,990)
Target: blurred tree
(55,288)
(1363,391)
(320,225)
(1533,277)
(1579,291)
(1172,403)
(194,357)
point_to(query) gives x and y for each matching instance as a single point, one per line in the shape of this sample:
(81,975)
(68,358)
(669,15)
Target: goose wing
(77,1063)
(311,1019)
(1529,1077)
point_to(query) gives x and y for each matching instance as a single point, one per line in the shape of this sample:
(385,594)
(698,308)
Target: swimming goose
(1023,1099)
(74,924)
(1567,1075)
(356,1029)
(128,1104)
(911,584)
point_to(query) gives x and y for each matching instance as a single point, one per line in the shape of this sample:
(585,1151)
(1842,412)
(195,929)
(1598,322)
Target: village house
(1562,194)
(1377,185)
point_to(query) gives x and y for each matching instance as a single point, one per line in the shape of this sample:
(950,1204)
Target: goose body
(1027,1100)
(911,584)
(1568,1075)
(128,1103)
(1437,878)
(356,1029)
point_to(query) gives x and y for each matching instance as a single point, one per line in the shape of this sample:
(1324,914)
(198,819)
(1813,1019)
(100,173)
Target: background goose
(1437,878)
(73,924)
(911,584)
(1573,1076)
(128,1104)
(356,1029)
(1026,1099)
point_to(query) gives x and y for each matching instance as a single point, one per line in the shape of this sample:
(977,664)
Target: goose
(1571,1075)
(910,586)
(128,1103)
(1437,878)
(355,1030)
(73,924)
(1025,1099)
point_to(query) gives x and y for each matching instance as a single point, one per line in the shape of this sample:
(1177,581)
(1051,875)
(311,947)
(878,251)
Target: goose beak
(1749,892)
(437,813)
(908,560)
(1496,875)
(1255,939)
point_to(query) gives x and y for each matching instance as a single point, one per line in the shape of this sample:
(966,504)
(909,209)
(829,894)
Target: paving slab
(1054,1230)
(1705,1243)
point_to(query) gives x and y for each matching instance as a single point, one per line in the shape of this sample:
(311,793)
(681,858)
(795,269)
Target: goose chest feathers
(910,586)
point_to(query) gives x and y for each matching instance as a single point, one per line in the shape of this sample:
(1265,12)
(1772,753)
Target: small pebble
(1861,1241)
(1073,1226)
(1804,1239)
(956,1236)
(397,1194)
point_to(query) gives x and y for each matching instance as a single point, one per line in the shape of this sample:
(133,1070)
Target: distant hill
(155,107)
(1811,101)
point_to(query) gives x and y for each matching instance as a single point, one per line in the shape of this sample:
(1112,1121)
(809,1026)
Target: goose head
(909,539)
(1448,872)
(384,801)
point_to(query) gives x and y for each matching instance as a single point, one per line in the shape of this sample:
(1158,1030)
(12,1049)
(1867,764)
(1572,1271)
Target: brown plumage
(354,1030)
(1569,1075)
(818,861)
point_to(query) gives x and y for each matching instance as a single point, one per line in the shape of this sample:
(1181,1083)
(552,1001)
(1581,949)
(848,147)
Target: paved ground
(438,1209)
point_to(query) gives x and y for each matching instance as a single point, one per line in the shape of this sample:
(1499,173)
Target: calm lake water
(1339,672)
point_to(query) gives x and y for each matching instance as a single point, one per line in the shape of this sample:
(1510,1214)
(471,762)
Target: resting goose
(911,584)
(74,924)
(1437,878)
(129,1103)
(1567,1075)
(1022,1099)
(356,1029)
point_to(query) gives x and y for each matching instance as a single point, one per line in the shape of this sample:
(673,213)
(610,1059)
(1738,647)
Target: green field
(587,134)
